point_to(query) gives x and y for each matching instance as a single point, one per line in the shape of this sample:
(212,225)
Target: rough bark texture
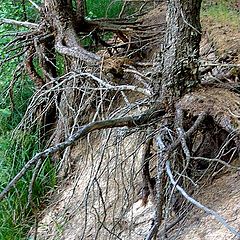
(81,9)
(61,18)
(181,48)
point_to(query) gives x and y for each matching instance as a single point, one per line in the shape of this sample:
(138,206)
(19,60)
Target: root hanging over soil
(119,149)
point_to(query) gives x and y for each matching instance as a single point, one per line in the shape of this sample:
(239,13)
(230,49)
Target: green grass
(103,8)
(221,11)
(15,215)
(15,151)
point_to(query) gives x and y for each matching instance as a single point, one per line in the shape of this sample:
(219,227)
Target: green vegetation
(103,8)
(15,213)
(221,11)
(16,148)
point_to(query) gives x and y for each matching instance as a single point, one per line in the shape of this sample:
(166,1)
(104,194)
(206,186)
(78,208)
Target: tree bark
(181,49)
(81,10)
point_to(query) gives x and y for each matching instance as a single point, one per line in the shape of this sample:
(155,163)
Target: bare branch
(120,88)
(35,5)
(181,134)
(198,204)
(130,121)
(220,65)
(164,154)
(216,160)
(195,126)
(19,23)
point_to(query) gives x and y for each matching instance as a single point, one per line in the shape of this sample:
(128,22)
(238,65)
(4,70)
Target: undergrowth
(17,147)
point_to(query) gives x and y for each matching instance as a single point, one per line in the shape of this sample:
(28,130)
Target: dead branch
(35,5)
(199,205)
(19,23)
(216,160)
(120,87)
(130,121)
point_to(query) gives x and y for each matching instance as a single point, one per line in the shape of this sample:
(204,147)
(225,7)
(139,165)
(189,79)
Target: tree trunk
(181,49)
(179,67)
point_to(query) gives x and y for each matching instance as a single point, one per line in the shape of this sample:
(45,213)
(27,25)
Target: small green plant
(15,213)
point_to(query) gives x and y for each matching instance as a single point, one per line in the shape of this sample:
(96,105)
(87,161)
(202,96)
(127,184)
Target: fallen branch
(130,121)
(198,204)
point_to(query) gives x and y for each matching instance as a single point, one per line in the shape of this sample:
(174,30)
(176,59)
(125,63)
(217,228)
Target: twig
(185,21)
(160,183)
(220,65)
(216,160)
(130,121)
(31,185)
(19,23)
(137,73)
(168,151)
(195,126)
(119,87)
(35,5)
(198,204)
(181,134)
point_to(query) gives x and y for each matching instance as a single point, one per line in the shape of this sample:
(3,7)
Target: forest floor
(221,43)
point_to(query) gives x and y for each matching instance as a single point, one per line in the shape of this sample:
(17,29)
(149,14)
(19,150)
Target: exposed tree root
(193,132)
(199,205)
(132,121)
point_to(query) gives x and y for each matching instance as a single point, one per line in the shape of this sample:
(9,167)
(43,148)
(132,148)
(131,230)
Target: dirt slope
(223,197)
(94,159)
